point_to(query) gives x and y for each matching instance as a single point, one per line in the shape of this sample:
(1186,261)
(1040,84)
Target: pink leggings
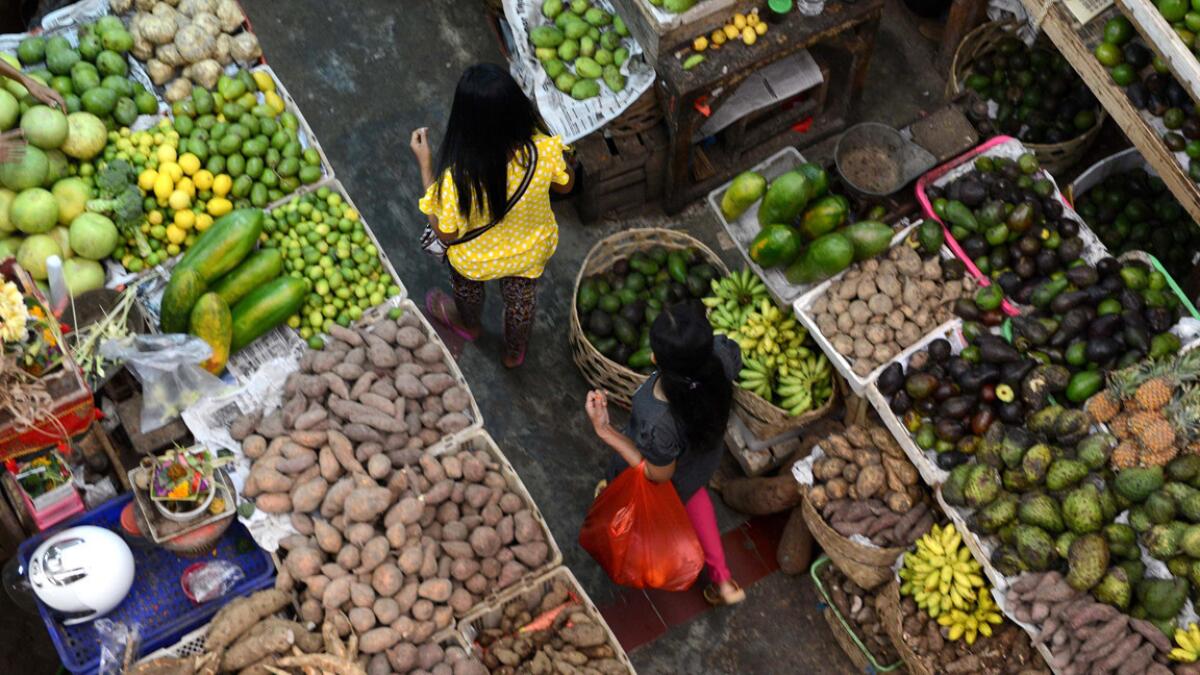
(704,520)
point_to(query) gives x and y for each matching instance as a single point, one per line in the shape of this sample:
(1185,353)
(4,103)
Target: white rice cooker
(83,569)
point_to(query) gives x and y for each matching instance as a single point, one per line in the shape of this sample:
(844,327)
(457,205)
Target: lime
(1192,149)
(1187,36)
(1109,54)
(1160,66)
(1084,120)
(1118,30)
(1123,74)
(1172,10)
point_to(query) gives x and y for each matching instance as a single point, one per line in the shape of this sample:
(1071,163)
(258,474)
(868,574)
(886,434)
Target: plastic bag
(640,534)
(212,580)
(119,646)
(167,367)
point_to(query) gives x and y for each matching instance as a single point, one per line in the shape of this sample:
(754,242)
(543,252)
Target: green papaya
(869,237)
(785,199)
(824,216)
(824,257)
(745,189)
(776,244)
(818,180)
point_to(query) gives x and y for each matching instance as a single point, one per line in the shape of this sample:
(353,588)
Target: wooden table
(841,39)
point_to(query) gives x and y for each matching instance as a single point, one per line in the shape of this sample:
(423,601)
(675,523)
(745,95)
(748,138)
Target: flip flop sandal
(599,488)
(437,307)
(516,363)
(713,596)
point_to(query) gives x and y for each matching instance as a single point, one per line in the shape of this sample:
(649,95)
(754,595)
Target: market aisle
(365,74)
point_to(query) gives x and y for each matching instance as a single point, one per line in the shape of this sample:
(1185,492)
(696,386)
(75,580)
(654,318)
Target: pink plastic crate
(952,243)
(57,512)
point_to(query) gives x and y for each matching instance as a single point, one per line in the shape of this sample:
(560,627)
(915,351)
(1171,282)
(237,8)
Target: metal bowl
(908,159)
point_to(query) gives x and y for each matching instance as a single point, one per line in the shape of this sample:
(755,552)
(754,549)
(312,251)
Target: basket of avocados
(623,284)
(992,62)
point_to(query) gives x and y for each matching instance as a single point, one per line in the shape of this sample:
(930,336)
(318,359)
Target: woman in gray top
(677,425)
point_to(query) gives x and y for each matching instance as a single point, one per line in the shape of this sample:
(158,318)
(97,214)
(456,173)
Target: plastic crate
(156,602)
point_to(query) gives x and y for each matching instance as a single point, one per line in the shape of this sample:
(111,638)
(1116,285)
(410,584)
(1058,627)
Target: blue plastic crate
(156,601)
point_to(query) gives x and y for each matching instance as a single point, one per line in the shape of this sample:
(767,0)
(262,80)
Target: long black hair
(491,119)
(698,392)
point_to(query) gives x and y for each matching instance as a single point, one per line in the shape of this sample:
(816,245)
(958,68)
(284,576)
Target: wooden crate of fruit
(659,30)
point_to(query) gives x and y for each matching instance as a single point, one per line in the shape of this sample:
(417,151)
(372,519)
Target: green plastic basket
(875,666)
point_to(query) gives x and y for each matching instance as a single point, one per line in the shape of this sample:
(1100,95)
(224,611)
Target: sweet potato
(378,640)
(479,583)
(365,503)
(531,555)
(510,574)
(302,523)
(329,539)
(251,649)
(349,557)
(458,550)
(307,497)
(362,619)
(379,466)
(453,422)
(359,533)
(484,542)
(583,634)
(333,570)
(429,353)
(361,433)
(473,469)
(273,502)
(267,479)
(361,594)
(238,616)
(374,553)
(527,528)
(254,446)
(337,593)
(335,497)
(304,562)
(387,579)
(410,560)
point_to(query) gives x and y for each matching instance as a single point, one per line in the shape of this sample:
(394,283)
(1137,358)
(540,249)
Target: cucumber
(266,307)
(257,269)
(211,321)
(224,245)
(183,290)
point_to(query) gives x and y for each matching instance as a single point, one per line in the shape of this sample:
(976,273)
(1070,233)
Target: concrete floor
(365,74)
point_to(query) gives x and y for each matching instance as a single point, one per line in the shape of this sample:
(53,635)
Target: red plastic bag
(640,534)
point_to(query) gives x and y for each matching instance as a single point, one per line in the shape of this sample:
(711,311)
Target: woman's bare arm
(36,89)
(570,184)
(597,410)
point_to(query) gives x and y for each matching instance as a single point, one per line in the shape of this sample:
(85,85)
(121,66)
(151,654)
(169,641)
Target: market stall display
(856,623)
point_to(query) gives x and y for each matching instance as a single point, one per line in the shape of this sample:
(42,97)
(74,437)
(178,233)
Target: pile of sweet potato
(1007,651)
(1083,634)
(865,485)
(573,641)
(394,539)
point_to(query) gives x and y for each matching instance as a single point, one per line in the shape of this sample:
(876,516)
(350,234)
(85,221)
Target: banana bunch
(804,384)
(941,576)
(1188,640)
(970,625)
(771,335)
(734,298)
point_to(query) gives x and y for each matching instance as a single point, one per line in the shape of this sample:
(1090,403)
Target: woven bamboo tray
(887,604)
(600,371)
(866,566)
(766,420)
(1053,157)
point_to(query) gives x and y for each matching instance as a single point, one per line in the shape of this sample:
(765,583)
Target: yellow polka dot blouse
(522,243)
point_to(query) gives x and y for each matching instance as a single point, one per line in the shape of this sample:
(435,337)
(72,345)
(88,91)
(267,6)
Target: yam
(255,648)
(238,616)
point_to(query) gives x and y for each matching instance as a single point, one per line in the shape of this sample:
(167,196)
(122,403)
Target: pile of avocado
(94,76)
(1008,218)
(1134,211)
(1039,98)
(584,45)
(617,307)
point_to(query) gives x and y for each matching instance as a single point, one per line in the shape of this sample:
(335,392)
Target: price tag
(1086,10)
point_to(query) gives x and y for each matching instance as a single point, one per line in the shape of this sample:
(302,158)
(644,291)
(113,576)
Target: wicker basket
(843,632)
(766,420)
(1053,157)
(600,371)
(866,566)
(887,604)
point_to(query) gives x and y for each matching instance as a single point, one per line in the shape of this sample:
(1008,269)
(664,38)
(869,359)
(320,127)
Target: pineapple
(1186,368)
(1120,426)
(1124,456)
(1184,414)
(1103,407)
(1139,423)
(1154,393)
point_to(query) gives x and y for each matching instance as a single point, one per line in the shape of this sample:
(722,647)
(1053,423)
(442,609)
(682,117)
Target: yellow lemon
(175,235)
(185,185)
(203,222)
(189,163)
(185,219)
(700,43)
(739,21)
(222,184)
(154,217)
(274,101)
(163,186)
(351,215)
(219,206)
(146,180)
(760,28)
(165,153)
(172,170)
(731,31)
(718,37)
(165,123)
(203,180)
(752,18)
(263,81)
(748,35)
(179,200)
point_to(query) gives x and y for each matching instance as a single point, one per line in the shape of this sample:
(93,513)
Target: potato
(337,593)
(365,503)
(531,555)
(329,539)
(484,541)
(362,619)
(273,503)
(377,640)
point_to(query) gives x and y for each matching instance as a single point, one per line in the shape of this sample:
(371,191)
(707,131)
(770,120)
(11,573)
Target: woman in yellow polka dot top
(493,139)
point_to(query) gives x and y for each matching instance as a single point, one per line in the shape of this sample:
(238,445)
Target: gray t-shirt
(656,435)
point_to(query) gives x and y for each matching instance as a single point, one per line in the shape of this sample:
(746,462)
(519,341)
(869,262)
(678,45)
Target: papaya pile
(225,292)
(617,307)
(803,227)
(583,45)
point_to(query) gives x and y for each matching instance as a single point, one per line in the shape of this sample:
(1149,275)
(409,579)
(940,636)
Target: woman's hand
(46,95)
(420,146)
(12,146)
(597,411)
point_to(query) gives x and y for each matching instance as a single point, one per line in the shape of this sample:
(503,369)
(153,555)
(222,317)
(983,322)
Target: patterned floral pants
(520,299)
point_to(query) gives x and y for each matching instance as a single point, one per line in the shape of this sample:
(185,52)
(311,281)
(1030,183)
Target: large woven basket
(600,371)
(1053,157)
(866,566)
(766,420)
(887,604)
